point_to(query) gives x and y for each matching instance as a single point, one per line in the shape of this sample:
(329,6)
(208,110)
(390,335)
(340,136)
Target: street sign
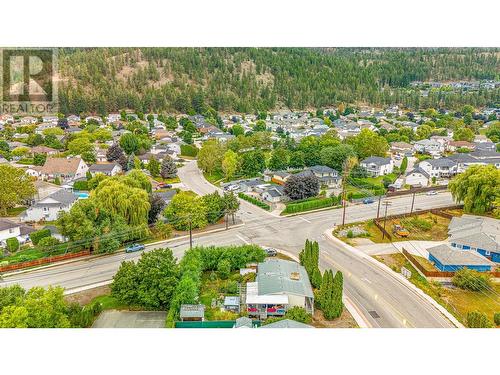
(405,272)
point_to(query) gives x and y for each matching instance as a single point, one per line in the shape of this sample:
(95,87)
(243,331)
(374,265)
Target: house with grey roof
(108,169)
(439,168)
(448,259)
(286,323)
(49,207)
(280,285)
(427,146)
(476,233)
(377,166)
(417,177)
(192,313)
(326,175)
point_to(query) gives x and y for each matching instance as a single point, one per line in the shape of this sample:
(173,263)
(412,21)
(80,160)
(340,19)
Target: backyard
(457,301)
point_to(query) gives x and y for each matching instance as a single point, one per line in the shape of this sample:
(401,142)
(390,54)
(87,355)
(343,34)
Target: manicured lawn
(457,301)
(15,211)
(215,178)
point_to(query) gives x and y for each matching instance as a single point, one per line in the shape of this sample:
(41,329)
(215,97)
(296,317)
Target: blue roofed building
(448,259)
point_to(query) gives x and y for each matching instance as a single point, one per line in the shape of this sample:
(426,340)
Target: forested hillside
(102,80)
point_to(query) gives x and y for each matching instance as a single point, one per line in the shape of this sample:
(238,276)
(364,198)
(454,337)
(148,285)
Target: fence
(428,273)
(39,262)
(415,190)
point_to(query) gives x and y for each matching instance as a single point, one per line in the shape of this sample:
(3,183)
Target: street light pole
(378,207)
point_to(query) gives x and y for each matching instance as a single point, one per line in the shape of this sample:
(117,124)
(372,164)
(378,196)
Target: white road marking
(241,238)
(301,218)
(366,280)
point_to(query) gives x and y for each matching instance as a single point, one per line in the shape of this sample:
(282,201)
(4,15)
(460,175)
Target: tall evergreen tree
(168,168)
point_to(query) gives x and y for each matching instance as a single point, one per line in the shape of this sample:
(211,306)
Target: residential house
(401,148)
(477,233)
(477,157)
(455,145)
(280,285)
(66,169)
(447,259)
(9,229)
(44,150)
(327,176)
(27,120)
(426,146)
(481,138)
(73,118)
(286,323)
(377,166)
(109,169)
(273,194)
(439,168)
(49,207)
(417,177)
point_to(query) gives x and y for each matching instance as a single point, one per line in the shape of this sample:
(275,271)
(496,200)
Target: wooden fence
(428,273)
(39,262)
(415,190)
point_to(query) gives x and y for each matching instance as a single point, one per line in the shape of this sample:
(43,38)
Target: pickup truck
(400,231)
(134,247)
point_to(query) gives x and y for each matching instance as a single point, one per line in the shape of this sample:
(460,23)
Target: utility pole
(378,207)
(190,234)
(385,218)
(347,166)
(412,202)
(227,220)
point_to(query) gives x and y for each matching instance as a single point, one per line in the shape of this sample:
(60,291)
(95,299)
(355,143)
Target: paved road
(382,299)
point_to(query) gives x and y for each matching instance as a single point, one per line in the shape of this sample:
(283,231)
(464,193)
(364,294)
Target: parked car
(134,247)
(270,252)
(432,192)
(164,186)
(368,200)
(232,187)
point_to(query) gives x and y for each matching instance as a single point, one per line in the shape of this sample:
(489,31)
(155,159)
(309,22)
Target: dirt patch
(85,296)
(345,321)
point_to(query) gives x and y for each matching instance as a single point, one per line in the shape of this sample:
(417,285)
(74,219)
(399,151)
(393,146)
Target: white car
(232,187)
(432,192)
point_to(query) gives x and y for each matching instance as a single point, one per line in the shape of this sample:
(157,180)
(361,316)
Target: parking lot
(130,319)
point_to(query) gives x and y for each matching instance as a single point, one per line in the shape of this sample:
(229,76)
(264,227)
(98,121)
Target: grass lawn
(215,178)
(24,256)
(15,211)
(457,301)
(173,180)
(109,302)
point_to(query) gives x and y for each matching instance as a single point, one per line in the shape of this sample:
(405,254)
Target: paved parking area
(130,319)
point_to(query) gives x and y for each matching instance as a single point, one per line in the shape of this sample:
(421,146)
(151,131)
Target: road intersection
(380,297)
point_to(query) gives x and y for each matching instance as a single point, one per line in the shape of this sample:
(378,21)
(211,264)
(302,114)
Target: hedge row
(292,208)
(254,201)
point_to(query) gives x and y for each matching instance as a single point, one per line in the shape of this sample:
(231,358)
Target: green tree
(297,160)
(210,156)
(214,205)
(184,209)
(463,134)
(335,156)
(80,146)
(168,168)
(368,143)
(424,132)
(279,159)
(404,165)
(16,187)
(129,143)
(253,163)
(229,164)
(299,314)
(154,166)
(476,319)
(237,130)
(477,188)
(493,132)
(224,268)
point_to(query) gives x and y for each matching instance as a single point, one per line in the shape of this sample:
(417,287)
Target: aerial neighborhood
(253,218)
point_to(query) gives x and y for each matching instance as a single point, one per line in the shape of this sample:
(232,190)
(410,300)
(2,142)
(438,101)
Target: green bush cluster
(38,235)
(496,318)
(12,244)
(189,150)
(81,185)
(471,280)
(309,205)
(309,258)
(421,224)
(476,319)
(254,201)
(84,316)
(201,259)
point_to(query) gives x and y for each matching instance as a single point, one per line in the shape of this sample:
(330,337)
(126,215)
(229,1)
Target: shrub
(350,234)
(299,314)
(81,185)
(254,201)
(496,318)
(189,150)
(421,224)
(38,235)
(310,205)
(231,287)
(47,243)
(476,319)
(471,280)
(224,269)
(12,244)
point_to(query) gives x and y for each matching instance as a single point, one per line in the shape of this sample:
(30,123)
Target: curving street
(380,297)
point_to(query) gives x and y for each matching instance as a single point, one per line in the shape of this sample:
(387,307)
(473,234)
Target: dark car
(134,247)
(164,186)
(368,200)
(270,252)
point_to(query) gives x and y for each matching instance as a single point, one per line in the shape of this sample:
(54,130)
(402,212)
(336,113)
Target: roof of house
(42,149)
(61,196)
(418,169)
(402,145)
(7,224)
(243,322)
(277,276)
(475,231)
(439,163)
(104,167)
(61,165)
(322,169)
(273,192)
(447,255)
(377,160)
(231,301)
(192,311)
(286,323)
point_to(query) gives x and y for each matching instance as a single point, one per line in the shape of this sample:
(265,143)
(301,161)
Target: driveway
(131,319)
